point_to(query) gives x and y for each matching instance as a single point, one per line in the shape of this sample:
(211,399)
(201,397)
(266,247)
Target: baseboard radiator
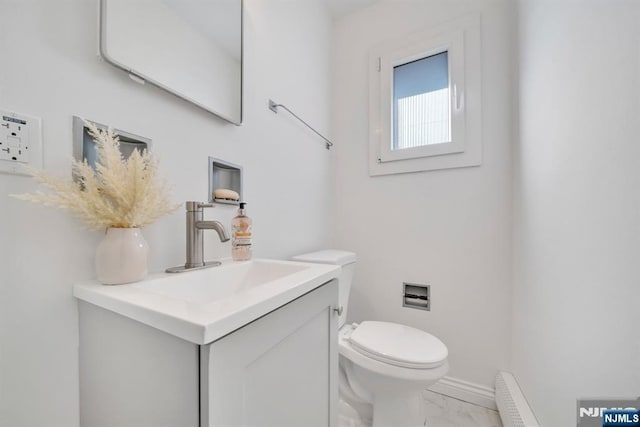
(512,405)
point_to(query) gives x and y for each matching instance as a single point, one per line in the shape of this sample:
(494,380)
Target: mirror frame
(140,78)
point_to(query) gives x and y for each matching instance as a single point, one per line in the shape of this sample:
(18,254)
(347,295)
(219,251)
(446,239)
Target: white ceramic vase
(122,256)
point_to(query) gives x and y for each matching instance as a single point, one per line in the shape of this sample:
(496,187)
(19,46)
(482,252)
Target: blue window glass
(421,112)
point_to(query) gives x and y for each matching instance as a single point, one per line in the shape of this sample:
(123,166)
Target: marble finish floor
(442,411)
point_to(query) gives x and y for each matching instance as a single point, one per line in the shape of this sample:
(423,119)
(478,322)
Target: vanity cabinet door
(280,370)
(133,375)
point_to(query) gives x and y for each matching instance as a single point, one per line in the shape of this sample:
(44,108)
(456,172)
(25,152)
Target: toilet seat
(350,352)
(398,345)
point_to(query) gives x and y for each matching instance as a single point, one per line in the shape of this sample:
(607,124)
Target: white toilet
(383,366)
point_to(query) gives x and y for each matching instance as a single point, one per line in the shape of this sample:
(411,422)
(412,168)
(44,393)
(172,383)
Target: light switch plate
(20,142)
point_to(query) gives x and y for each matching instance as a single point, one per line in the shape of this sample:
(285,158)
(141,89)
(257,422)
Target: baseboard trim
(466,391)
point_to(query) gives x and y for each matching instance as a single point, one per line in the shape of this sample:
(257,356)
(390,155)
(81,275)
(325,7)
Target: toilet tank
(344,259)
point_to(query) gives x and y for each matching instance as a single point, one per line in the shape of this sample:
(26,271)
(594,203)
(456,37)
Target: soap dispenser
(241,231)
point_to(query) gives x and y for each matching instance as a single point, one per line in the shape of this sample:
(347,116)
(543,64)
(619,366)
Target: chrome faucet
(195,237)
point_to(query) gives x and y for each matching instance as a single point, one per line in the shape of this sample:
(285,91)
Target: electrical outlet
(20,142)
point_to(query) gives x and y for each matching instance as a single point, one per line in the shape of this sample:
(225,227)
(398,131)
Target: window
(421,102)
(419,117)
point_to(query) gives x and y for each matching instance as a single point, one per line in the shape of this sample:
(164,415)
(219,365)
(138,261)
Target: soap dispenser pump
(241,231)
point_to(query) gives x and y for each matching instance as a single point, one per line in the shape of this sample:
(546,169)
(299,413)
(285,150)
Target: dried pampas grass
(121,193)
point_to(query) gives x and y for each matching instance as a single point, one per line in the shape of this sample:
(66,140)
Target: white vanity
(243,344)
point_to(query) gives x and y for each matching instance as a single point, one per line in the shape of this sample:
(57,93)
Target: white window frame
(461,40)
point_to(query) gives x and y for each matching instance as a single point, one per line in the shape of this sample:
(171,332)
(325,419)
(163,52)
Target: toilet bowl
(384,366)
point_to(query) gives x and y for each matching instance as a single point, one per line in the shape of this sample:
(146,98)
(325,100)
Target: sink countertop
(202,306)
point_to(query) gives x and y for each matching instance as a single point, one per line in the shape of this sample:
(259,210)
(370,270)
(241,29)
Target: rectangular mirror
(191,48)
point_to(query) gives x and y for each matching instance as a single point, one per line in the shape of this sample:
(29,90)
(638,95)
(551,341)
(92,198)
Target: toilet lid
(398,345)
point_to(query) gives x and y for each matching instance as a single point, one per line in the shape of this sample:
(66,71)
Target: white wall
(448,228)
(577,205)
(53,72)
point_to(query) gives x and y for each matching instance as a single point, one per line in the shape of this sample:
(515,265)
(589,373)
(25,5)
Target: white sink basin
(203,305)
(202,287)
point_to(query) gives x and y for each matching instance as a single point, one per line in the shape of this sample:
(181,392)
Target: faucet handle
(196,206)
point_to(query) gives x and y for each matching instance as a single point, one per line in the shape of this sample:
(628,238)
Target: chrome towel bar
(274,107)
